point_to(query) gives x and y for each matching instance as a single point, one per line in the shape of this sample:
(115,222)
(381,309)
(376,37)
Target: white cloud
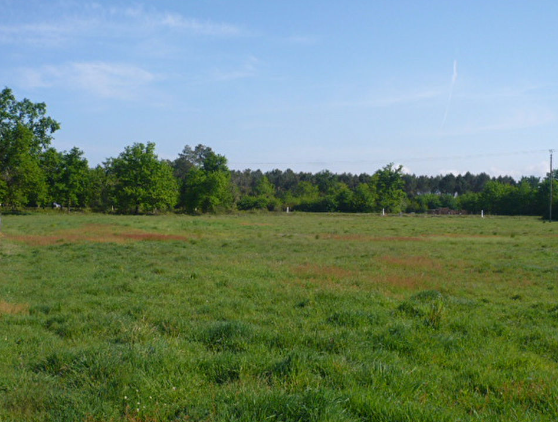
(41,34)
(176,21)
(99,21)
(106,80)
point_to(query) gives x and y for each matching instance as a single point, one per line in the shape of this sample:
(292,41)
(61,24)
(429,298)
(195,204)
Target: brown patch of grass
(326,276)
(419,262)
(13,308)
(152,236)
(95,233)
(255,224)
(325,271)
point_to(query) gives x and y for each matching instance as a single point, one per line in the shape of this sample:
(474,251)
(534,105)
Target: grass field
(272,317)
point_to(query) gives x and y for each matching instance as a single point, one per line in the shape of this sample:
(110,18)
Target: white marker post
(482,213)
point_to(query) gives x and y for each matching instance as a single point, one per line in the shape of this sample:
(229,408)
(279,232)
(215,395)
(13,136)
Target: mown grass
(295,317)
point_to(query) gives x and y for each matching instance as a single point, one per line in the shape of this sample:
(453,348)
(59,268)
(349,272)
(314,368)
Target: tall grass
(277,317)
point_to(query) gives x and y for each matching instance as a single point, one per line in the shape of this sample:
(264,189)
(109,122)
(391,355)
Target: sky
(347,86)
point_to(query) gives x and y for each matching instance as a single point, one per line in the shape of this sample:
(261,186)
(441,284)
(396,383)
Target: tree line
(35,174)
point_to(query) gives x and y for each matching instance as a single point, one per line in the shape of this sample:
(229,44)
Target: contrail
(453,80)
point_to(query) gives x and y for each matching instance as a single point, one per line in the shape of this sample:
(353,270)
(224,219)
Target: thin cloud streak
(99,21)
(105,80)
(453,81)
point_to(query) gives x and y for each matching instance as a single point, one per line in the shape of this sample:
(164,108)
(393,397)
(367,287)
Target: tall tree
(22,180)
(207,184)
(388,182)
(31,115)
(25,132)
(74,178)
(142,182)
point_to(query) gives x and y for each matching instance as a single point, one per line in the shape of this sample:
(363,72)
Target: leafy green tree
(429,201)
(364,198)
(388,182)
(142,182)
(263,198)
(25,132)
(469,201)
(74,178)
(51,164)
(22,179)
(496,197)
(100,189)
(325,180)
(344,198)
(206,187)
(31,115)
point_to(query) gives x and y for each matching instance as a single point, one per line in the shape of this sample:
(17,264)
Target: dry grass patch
(418,262)
(13,308)
(323,271)
(326,276)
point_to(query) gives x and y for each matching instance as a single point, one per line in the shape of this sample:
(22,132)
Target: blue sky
(349,86)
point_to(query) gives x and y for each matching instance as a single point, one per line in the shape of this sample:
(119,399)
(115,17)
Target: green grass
(296,317)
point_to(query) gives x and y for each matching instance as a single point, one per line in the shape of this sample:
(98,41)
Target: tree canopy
(141,181)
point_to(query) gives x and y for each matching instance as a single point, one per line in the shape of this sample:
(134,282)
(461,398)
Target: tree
(22,180)
(31,115)
(141,181)
(51,164)
(364,198)
(25,132)
(206,187)
(469,201)
(389,184)
(448,184)
(100,189)
(74,178)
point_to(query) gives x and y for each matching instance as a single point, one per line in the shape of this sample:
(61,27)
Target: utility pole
(551,178)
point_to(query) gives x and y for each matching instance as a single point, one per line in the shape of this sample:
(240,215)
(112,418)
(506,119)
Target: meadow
(278,317)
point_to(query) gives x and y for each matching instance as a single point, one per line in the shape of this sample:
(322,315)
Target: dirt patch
(95,233)
(13,308)
(255,224)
